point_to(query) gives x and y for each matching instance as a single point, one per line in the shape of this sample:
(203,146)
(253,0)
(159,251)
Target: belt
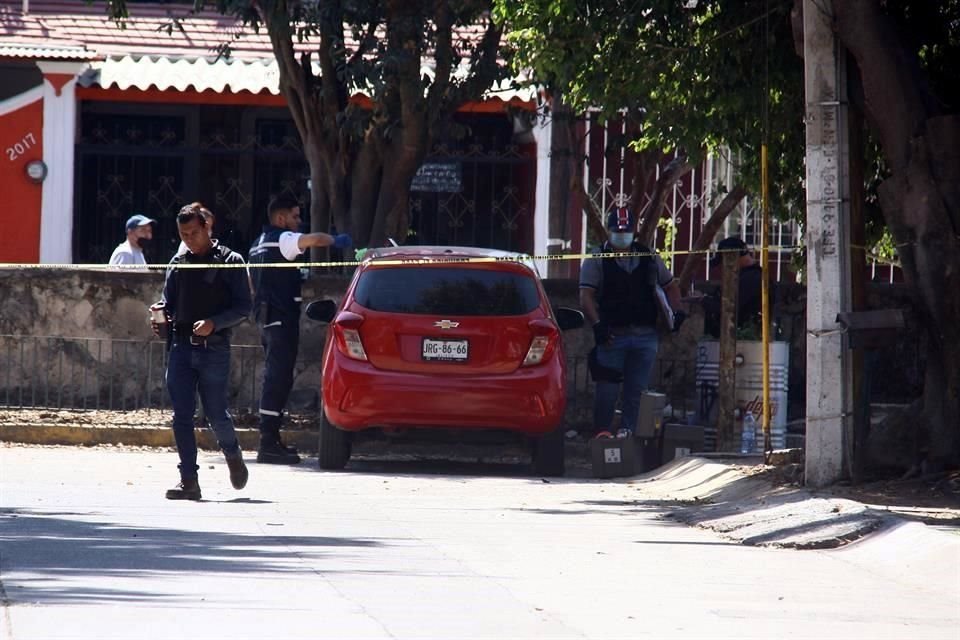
(200,341)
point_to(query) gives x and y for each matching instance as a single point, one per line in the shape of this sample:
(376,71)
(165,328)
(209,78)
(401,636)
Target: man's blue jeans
(634,356)
(203,369)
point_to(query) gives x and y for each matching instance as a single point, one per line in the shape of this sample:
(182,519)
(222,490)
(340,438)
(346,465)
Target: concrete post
(59,139)
(829,384)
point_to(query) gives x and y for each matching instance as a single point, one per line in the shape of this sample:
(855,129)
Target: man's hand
(203,328)
(601,333)
(342,241)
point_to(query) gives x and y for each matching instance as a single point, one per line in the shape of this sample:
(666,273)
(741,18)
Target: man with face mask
(139,237)
(618,297)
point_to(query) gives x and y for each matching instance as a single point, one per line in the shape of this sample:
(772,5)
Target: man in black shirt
(749,289)
(203,304)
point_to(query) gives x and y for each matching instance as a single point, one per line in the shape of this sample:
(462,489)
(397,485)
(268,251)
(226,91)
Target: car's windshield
(447,291)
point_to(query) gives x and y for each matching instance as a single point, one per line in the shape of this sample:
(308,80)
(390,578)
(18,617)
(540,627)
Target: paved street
(90,549)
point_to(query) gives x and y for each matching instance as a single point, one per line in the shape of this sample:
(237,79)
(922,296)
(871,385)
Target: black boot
(238,470)
(272,451)
(188,489)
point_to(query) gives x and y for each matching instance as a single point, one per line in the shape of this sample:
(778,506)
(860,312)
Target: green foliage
(668,228)
(724,73)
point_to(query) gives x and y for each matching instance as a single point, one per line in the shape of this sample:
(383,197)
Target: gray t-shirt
(591,276)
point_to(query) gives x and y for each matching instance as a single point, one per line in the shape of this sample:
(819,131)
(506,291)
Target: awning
(219,75)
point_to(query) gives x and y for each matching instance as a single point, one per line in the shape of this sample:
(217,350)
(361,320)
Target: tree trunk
(727,374)
(393,200)
(920,201)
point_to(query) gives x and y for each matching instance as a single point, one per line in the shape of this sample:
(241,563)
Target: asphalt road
(90,549)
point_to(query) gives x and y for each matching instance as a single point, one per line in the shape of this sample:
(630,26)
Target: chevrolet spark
(444,339)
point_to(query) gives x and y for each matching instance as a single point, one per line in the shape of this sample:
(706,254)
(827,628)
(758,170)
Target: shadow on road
(58,552)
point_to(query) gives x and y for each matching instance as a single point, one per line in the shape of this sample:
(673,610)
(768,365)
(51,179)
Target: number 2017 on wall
(18,149)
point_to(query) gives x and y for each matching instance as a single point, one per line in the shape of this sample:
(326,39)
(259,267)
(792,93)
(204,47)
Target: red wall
(21,140)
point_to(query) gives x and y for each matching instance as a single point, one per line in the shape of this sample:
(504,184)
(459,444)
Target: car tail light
(347,332)
(545,336)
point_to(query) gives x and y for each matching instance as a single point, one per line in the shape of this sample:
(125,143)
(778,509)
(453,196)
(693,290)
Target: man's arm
(292,245)
(318,239)
(588,303)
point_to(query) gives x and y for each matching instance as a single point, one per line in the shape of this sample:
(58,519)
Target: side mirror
(568,318)
(322,310)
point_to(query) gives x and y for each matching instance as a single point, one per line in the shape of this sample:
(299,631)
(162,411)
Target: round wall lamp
(36,170)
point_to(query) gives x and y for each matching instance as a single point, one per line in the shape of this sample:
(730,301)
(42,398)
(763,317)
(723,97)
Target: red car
(441,338)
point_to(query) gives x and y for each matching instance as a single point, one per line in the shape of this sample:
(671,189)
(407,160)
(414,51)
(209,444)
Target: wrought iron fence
(48,372)
(100,373)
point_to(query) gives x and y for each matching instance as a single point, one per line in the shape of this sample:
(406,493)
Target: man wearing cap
(619,298)
(139,236)
(749,289)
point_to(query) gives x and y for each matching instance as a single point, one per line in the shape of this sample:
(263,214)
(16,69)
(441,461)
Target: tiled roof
(77,22)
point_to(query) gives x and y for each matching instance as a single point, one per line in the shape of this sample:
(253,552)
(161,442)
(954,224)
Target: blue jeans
(203,369)
(634,356)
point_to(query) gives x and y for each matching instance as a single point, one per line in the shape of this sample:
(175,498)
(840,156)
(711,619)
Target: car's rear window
(447,291)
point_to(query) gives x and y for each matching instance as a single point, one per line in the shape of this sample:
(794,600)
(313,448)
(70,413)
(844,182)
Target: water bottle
(748,434)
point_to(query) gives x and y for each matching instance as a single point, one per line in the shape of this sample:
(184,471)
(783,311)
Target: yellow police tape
(412,259)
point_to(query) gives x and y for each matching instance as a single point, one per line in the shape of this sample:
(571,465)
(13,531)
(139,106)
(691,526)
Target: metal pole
(765,293)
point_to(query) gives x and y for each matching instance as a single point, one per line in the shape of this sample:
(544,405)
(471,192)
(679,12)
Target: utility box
(651,414)
(613,457)
(681,440)
(622,457)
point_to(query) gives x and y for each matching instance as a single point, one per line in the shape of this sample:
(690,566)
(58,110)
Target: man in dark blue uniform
(277,311)
(203,304)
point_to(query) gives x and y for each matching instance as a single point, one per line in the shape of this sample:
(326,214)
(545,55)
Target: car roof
(428,252)
(439,252)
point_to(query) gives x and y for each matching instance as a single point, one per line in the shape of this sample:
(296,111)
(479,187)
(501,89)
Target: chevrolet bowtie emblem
(446,324)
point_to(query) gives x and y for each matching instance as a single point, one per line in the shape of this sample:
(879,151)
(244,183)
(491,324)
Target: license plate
(445,350)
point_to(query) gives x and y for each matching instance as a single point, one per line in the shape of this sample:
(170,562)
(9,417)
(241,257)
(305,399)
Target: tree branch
(676,169)
(708,233)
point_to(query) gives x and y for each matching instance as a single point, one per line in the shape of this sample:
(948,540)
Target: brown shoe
(238,470)
(188,489)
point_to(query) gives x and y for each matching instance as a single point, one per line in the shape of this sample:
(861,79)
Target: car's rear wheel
(334,446)
(549,455)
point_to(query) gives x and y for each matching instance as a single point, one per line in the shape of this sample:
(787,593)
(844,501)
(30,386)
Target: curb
(46,434)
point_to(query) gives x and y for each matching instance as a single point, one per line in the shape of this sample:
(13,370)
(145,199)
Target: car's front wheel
(334,446)
(549,455)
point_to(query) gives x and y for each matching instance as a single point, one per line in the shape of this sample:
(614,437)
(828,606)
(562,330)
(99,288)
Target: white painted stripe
(298,299)
(264,245)
(267,412)
(21,100)
(273,324)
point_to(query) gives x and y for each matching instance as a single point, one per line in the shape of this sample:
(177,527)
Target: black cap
(727,245)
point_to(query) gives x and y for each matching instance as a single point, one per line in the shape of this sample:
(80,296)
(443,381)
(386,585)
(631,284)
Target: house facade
(101,122)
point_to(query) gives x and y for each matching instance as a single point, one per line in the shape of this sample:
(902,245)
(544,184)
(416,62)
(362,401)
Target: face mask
(144,243)
(621,240)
